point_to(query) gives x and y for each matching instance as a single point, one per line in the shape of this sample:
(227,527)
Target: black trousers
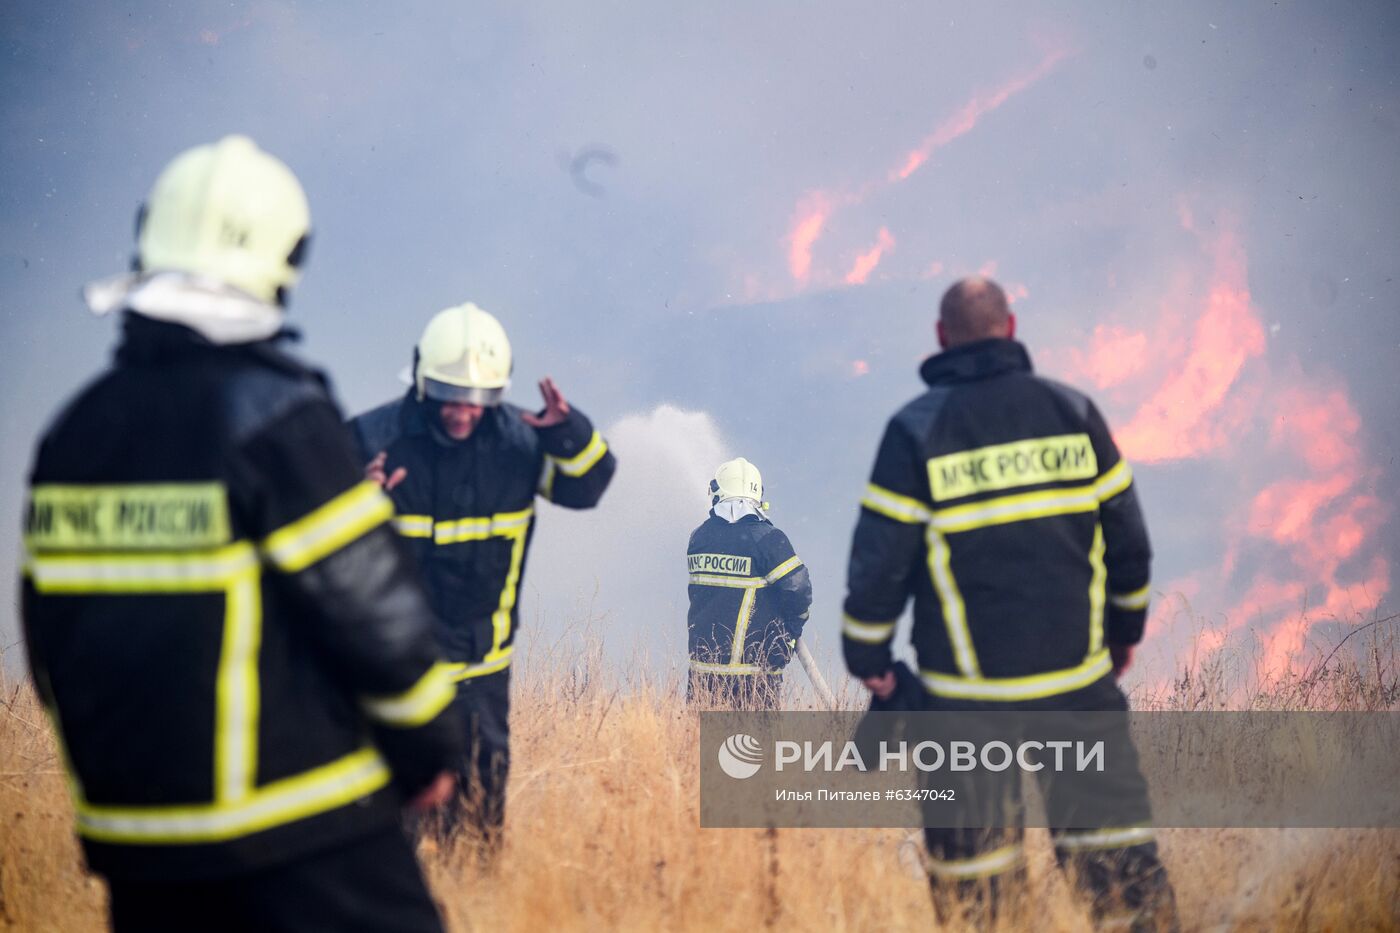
(480,804)
(1116,867)
(371,884)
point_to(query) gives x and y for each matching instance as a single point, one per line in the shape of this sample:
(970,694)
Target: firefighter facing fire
(749,595)
(999,501)
(463,468)
(231,644)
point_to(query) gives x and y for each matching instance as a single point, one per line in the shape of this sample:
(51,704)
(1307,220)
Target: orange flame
(962,122)
(1114,355)
(1295,551)
(811,216)
(868,260)
(1181,419)
(815,208)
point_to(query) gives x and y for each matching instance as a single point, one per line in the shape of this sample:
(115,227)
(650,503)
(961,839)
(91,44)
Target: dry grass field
(603,830)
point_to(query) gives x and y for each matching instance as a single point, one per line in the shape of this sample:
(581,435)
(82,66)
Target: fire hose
(814,674)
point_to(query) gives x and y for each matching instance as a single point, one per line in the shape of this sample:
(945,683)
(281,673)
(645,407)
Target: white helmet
(228,212)
(464,357)
(737,479)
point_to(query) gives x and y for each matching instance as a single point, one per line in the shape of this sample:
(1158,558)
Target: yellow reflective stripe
(1116,837)
(1137,599)
(294,798)
(704,667)
(232,570)
(783,569)
(547,480)
(515,527)
(126,516)
(583,461)
(1027,462)
(327,529)
(950,598)
(419,703)
(177,572)
(414,526)
(1097,582)
(743,583)
(872,633)
(1018,508)
(237,692)
(1119,478)
(501,619)
(1018,688)
(979,866)
(741,626)
(460,672)
(500,525)
(891,504)
(1028,505)
(462,529)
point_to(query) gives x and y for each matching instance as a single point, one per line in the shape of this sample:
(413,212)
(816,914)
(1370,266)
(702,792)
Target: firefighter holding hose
(750,595)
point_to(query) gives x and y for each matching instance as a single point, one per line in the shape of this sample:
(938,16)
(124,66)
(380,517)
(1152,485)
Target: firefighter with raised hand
(999,501)
(230,640)
(750,595)
(463,467)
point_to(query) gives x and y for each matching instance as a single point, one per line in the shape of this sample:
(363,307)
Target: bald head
(974,308)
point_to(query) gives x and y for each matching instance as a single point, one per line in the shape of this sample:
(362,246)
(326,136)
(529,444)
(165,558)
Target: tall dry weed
(603,825)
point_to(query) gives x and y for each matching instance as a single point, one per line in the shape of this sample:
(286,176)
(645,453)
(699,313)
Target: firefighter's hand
(882,686)
(556,407)
(374,472)
(435,794)
(1122,657)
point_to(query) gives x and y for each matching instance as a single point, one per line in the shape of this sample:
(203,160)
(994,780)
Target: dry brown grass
(603,832)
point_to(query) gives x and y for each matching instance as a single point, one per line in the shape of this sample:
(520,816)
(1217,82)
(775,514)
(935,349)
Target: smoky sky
(619,184)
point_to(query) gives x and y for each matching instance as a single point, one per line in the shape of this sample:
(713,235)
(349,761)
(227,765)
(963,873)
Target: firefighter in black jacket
(227,635)
(999,501)
(463,468)
(749,595)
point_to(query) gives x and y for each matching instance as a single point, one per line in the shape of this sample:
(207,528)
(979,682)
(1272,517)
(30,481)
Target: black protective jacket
(228,636)
(749,596)
(467,508)
(998,501)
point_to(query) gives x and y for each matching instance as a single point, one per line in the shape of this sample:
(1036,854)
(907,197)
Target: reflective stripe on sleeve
(1114,481)
(891,504)
(327,529)
(1137,599)
(871,633)
(460,672)
(583,461)
(783,569)
(414,526)
(419,703)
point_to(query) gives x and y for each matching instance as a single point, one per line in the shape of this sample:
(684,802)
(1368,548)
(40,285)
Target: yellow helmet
(463,356)
(230,212)
(737,479)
